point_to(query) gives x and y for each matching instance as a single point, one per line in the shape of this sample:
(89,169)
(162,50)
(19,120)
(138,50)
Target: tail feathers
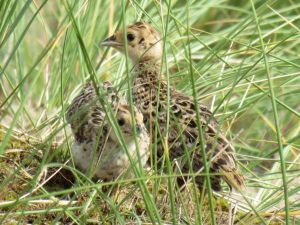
(233,178)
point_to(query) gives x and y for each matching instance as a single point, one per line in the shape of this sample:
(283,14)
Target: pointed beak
(111,42)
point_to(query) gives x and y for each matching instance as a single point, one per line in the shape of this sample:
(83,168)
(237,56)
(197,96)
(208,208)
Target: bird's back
(85,114)
(150,96)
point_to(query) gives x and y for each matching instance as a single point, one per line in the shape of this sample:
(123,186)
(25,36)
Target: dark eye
(130,37)
(121,122)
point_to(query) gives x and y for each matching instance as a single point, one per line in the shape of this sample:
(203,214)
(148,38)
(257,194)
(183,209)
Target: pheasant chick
(107,159)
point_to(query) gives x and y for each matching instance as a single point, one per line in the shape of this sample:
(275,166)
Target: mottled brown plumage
(85,114)
(150,96)
(97,148)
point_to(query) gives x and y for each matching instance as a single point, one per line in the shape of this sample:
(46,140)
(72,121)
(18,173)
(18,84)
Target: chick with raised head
(98,149)
(144,46)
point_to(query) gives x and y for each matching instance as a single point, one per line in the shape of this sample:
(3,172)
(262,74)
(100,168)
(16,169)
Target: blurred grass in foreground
(240,50)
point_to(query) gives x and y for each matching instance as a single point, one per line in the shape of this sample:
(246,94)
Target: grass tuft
(240,58)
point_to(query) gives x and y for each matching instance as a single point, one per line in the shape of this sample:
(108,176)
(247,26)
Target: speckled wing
(183,133)
(185,137)
(219,151)
(86,115)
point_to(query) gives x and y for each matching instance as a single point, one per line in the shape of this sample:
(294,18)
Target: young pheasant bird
(150,96)
(97,148)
